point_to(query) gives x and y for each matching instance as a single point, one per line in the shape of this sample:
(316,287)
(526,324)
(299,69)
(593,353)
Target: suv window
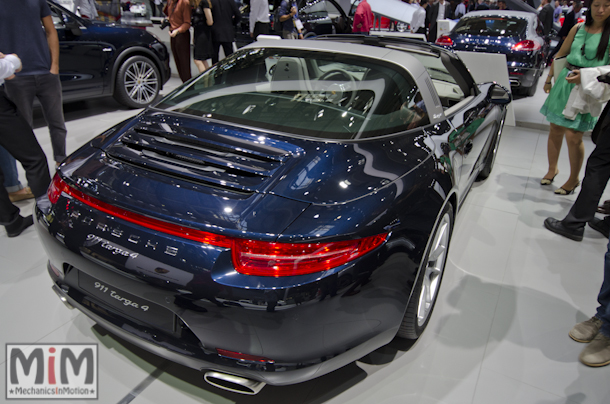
(491,26)
(315,94)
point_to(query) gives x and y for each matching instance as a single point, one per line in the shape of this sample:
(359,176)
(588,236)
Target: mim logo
(51,371)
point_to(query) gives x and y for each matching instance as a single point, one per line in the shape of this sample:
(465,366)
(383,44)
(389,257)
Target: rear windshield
(309,93)
(491,26)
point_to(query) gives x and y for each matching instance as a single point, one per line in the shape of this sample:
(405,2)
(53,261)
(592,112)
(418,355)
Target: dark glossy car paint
(172,294)
(93,52)
(524,66)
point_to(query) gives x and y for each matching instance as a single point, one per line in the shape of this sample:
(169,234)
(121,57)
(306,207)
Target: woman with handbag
(202,24)
(585,46)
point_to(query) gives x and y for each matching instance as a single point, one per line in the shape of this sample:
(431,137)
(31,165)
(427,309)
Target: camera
(164,23)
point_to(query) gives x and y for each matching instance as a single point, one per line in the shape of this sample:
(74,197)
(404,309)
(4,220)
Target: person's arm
(208,16)
(254,12)
(9,65)
(53,41)
(563,51)
(236,13)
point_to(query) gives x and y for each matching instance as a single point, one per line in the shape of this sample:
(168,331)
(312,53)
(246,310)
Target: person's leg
(227,47)
(21,90)
(202,65)
(597,174)
(215,52)
(8,165)
(49,95)
(576,153)
(182,55)
(553,148)
(597,352)
(19,140)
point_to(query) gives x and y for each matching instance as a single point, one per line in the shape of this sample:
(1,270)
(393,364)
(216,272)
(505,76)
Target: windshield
(491,26)
(309,93)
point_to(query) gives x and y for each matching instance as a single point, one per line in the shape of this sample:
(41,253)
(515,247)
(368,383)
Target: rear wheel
(138,82)
(429,280)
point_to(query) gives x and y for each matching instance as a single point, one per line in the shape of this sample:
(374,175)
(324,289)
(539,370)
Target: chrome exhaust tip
(235,384)
(62,294)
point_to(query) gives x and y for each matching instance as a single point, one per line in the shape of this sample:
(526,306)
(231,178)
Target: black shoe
(601,226)
(556,226)
(18,226)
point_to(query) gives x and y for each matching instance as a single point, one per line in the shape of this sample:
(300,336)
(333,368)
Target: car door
(81,56)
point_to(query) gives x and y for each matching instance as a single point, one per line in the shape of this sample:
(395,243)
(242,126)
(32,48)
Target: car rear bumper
(523,77)
(324,326)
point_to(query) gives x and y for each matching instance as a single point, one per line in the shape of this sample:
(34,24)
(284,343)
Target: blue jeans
(603,311)
(8,165)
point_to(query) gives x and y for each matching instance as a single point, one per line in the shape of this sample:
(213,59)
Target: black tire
(138,82)
(491,156)
(429,278)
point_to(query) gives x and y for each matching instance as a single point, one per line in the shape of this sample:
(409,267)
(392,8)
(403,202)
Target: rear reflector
(243,357)
(250,257)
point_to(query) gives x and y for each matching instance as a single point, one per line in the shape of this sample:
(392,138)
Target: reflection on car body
(291,208)
(516,34)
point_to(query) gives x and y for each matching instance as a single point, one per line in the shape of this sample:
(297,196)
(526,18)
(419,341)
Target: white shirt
(441,11)
(259,12)
(460,9)
(8,65)
(419,19)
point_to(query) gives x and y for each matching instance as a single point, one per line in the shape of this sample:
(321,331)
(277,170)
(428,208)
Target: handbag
(558,65)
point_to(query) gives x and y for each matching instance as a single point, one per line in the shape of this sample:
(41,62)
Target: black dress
(203,33)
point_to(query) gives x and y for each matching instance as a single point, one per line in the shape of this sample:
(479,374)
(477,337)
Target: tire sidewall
(120,93)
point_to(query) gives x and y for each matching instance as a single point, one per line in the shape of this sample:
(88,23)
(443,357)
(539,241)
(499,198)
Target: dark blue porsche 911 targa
(279,216)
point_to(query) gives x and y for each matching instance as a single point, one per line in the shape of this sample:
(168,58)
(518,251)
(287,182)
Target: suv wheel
(138,82)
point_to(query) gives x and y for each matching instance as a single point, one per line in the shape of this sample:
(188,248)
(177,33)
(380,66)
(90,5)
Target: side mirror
(499,95)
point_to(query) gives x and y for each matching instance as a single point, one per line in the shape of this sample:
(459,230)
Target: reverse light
(526,46)
(250,257)
(444,40)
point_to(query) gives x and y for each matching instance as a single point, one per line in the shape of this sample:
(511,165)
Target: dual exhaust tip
(233,383)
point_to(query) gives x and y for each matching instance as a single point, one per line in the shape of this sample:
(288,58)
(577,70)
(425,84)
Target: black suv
(100,59)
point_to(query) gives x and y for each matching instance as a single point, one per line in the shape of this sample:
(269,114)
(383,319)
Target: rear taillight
(56,188)
(444,40)
(262,258)
(526,46)
(250,257)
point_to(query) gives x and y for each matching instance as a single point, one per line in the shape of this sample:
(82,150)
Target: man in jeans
(17,137)
(38,47)
(289,18)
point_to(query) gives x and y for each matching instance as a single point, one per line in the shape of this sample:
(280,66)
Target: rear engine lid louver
(231,160)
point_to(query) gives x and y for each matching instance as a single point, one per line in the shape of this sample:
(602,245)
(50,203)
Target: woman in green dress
(585,46)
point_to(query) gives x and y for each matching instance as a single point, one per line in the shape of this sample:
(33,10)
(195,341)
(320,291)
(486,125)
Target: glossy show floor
(499,332)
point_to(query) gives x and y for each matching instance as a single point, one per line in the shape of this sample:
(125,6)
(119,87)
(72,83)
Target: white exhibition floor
(499,333)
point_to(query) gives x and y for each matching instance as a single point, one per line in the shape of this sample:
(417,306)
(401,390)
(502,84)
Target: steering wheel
(339,93)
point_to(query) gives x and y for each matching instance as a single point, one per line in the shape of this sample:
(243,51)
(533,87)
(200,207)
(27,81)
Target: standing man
(440,11)
(418,24)
(259,18)
(460,10)
(546,16)
(178,14)
(17,137)
(226,16)
(37,45)
(363,19)
(288,18)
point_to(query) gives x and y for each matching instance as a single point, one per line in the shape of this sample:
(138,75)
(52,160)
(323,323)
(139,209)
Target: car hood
(180,168)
